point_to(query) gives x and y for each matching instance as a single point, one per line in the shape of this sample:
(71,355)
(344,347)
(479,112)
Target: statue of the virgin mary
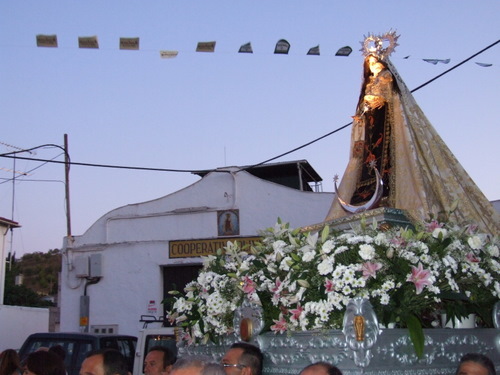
(397,159)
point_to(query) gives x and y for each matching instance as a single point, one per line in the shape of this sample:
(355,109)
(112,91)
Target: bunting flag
(168,54)
(46,40)
(484,65)
(314,51)
(282,47)
(435,61)
(129,43)
(88,42)
(246,48)
(344,51)
(205,47)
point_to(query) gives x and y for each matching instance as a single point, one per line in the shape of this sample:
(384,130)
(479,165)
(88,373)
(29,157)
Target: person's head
(104,362)
(59,350)
(196,365)
(159,360)
(475,364)
(320,368)
(243,359)
(9,362)
(44,363)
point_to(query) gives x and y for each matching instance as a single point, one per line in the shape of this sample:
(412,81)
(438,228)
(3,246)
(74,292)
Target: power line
(105,165)
(10,154)
(346,125)
(456,66)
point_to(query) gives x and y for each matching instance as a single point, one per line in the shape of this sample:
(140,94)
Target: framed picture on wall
(228,223)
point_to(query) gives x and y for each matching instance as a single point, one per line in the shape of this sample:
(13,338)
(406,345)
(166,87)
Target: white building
(124,264)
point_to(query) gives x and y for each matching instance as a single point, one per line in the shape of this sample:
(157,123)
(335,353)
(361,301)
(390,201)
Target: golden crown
(380,45)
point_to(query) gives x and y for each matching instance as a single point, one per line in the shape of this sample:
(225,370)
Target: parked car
(77,345)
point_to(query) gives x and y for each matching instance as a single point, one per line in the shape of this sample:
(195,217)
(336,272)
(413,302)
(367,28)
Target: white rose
(493,250)
(328,246)
(308,256)
(279,245)
(475,242)
(366,252)
(325,267)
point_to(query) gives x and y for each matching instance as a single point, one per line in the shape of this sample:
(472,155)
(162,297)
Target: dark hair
(59,350)
(168,356)
(113,361)
(480,359)
(45,363)
(330,369)
(9,362)
(251,356)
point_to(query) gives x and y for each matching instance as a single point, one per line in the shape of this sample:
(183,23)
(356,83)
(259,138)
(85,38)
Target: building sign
(198,248)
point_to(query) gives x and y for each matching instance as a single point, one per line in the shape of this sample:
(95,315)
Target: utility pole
(66,169)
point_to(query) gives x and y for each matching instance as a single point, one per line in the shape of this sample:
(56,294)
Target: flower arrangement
(304,281)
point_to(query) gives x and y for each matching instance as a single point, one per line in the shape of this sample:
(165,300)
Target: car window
(83,349)
(125,346)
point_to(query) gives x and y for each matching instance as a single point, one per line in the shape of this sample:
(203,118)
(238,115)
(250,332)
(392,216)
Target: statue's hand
(374,101)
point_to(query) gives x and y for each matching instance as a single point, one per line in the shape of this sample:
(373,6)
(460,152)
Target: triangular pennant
(484,65)
(46,40)
(205,47)
(129,43)
(435,61)
(168,54)
(344,51)
(246,48)
(313,51)
(88,42)
(282,47)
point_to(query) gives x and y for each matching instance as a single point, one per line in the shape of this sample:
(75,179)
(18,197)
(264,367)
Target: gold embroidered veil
(425,177)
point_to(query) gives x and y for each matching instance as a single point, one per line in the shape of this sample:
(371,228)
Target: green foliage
(416,334)
(20,295)
(40,278)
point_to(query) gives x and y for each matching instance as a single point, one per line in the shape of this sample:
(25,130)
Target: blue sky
(207,110)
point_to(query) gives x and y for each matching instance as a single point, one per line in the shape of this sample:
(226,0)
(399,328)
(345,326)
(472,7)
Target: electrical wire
(10,154)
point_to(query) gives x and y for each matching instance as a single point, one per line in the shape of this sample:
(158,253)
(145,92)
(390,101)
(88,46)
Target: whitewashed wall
(18,322)
(133,241)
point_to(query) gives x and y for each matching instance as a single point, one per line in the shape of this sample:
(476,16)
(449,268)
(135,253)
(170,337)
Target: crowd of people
(240,359)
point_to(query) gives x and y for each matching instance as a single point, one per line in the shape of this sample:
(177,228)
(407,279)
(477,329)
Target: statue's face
(372,60)
(376,67)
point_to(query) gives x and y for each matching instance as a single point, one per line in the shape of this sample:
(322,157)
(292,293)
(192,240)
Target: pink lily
(419,277)
(248,285)
(434,224)
(280,325)
(185,336)
(398,241)
(471,229)
(329,286)
(471,257)
(370,269)
(296,312)
(277,285)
